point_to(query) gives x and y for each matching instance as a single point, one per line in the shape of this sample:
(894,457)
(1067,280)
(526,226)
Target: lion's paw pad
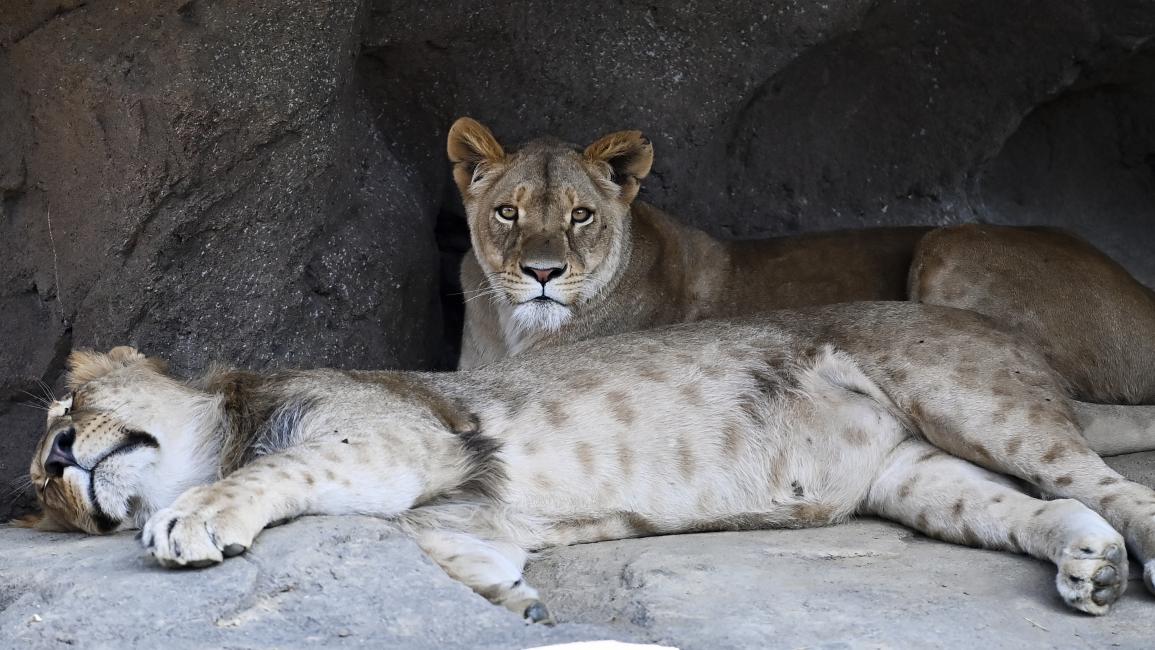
(1093,574)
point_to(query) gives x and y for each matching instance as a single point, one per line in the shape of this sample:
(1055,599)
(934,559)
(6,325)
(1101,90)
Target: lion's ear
(40,521)
(629,156)
(86,365)
(472,149)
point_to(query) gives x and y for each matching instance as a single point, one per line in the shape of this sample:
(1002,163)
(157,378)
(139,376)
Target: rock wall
(265,182)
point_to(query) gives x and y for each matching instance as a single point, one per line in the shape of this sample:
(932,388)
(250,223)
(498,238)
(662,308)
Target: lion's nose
(543,275)
(60,456)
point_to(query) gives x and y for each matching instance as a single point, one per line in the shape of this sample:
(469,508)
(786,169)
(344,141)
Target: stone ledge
(350,581)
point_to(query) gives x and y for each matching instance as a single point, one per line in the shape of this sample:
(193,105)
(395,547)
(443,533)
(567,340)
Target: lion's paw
(196,537)
(1093,574)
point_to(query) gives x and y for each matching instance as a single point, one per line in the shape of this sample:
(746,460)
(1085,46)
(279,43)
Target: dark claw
(537,613)
(233,550)
(200,564)
(1106,575)
(1114,555)
(1104,596)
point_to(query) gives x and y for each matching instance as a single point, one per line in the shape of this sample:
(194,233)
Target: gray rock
(349,581)
(865,584)
(320,581)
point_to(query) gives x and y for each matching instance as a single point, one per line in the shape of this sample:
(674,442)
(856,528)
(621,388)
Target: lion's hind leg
(492,568)
(950,499)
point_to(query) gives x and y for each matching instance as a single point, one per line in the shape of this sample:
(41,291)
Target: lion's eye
(506,213)
(582,215)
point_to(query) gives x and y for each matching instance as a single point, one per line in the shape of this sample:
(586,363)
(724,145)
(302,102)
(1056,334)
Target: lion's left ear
(40,521)
(629,155)
(86,365)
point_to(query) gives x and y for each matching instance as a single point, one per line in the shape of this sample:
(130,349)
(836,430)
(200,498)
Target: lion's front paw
(196,537)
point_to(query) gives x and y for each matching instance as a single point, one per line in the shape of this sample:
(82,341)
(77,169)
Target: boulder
(352,582)
(320,581)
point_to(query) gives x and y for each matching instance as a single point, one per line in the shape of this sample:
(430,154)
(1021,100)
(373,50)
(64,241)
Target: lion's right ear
(86,365)
(472,149)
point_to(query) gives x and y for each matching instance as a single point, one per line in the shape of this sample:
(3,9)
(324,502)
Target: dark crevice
(60,12)
(452,233)
(15,501)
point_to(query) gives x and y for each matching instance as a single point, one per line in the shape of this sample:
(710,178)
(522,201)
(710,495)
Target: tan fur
(86,365)
(471,144)
(627,156)
(1091,319)
(797,419)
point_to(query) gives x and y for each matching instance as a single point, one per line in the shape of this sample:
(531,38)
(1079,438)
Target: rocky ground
(352,582)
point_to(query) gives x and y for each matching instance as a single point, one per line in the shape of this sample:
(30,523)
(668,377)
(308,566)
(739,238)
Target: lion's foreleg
(210,522)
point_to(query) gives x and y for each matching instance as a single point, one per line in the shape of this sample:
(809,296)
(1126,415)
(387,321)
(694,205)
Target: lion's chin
(117,485)
(541,315)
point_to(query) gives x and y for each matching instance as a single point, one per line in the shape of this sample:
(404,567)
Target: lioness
(908,412)
(562,252)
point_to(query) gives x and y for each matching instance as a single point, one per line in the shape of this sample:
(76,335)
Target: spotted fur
(921,415)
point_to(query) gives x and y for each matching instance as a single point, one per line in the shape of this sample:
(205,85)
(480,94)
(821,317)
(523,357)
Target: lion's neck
(245,405)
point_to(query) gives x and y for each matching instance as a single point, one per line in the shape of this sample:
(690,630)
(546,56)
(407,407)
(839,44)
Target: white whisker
(37,399)
(55,264)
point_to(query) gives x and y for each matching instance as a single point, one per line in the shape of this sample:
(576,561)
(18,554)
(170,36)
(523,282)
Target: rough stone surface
(867,584)
(350,582)
(321,581)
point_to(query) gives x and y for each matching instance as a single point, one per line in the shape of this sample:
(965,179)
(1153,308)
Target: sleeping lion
(923,415)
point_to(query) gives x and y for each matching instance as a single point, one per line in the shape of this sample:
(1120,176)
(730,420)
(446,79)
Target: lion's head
(109,457)
(549,221)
